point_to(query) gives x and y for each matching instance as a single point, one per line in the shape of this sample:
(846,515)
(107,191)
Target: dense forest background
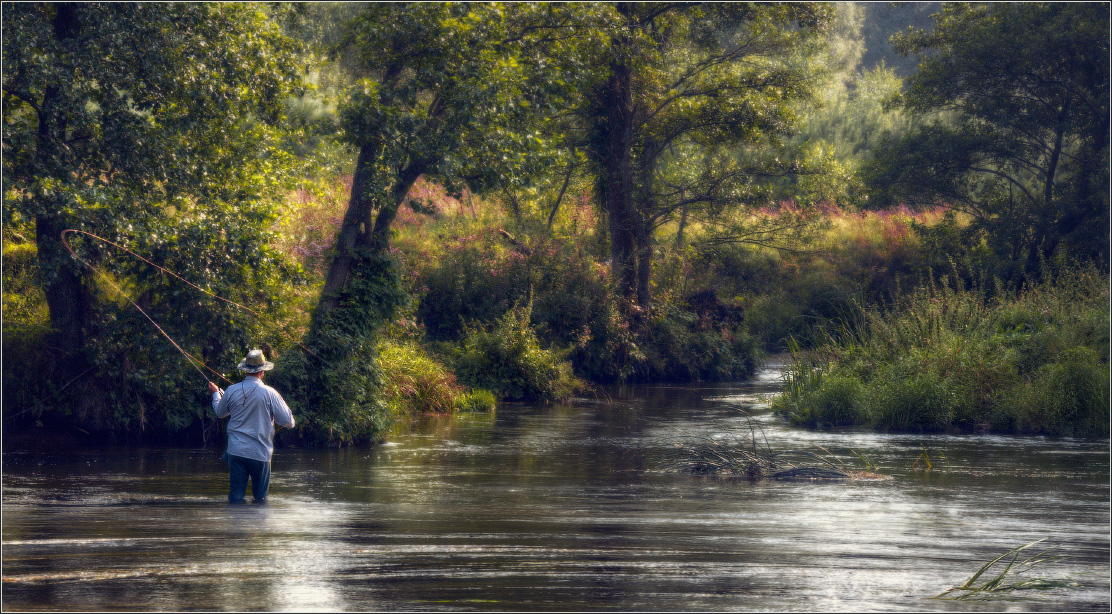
(439,207)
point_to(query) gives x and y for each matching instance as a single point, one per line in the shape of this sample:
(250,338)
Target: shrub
(477,279)
(508,360)
(683,345)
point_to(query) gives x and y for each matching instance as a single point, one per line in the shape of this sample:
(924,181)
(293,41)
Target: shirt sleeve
(281,412)
(219,407)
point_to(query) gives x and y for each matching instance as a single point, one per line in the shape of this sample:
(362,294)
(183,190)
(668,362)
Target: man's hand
(212,387)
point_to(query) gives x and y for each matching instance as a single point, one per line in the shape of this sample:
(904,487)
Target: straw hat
(255,362)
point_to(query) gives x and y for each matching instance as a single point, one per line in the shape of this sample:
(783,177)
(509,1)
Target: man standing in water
(254,408)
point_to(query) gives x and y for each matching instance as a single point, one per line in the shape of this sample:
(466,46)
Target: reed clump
(1007,567)
(949,358)
(752,458)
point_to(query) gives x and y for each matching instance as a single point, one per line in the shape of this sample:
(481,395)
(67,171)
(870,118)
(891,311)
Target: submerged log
(811,473)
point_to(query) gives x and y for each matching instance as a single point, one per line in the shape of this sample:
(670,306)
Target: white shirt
(254,408)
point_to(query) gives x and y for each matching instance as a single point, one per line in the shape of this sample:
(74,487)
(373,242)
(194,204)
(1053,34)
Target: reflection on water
(562,507)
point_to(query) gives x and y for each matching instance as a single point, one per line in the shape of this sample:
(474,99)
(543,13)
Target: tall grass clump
(413,382)
(812,396)
(946,357)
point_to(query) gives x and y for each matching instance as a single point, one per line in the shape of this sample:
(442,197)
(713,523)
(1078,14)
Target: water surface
(559,507)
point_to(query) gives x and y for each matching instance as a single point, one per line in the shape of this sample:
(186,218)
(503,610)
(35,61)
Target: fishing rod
(193,361)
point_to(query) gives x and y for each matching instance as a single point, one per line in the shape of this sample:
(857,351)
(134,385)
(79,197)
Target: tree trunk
(379,239)
(1055,153)
(644,271)
(1091,196)
(365,226)
(683,223)
(67,297)
(617,180)
(359,210)
(560,196)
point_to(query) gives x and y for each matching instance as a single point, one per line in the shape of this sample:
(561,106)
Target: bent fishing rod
(192,360)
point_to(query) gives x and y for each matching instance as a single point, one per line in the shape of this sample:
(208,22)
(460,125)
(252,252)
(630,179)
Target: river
(559,507)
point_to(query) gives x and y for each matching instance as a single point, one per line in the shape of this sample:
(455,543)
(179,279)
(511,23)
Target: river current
(560,507)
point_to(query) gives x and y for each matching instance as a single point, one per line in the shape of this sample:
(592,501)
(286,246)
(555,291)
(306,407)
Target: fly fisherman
(254,408)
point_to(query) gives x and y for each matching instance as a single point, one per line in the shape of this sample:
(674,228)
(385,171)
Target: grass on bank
(969,360)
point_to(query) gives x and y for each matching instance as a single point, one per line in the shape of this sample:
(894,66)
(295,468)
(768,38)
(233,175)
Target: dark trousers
(239,469)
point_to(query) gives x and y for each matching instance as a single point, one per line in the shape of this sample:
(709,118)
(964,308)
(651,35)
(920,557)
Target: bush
(681,345)
(476,279)
(508,360)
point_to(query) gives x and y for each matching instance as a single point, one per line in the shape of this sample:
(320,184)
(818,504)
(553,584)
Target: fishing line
(193,361)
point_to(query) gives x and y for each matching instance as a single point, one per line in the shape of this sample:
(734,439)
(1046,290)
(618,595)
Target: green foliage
(1035,361)
(705,345)
(24,303)
(156,127)
(686,115)
(451,91)
(479,277)
(508,360)
(1019,95)
(454,88)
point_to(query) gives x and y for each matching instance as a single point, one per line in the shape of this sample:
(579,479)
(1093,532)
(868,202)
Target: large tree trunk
(366,223)
(355,223)
(67,298)
(66,295)
(378,240)
(617,180)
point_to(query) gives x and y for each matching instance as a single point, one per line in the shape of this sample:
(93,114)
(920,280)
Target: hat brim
(243,366)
